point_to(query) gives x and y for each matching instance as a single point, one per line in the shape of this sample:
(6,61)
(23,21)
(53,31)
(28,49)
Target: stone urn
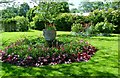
(49,35)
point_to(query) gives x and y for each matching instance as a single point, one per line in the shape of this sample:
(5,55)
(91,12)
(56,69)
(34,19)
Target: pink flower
(29,48)
(81,41)
(87,43)
(29,57)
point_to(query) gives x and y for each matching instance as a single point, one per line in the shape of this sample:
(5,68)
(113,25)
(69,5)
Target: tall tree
(31,13)
(74,10)
(49,10)
(23,9)
(9,12)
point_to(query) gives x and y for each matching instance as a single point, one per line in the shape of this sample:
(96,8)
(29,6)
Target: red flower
(78,55)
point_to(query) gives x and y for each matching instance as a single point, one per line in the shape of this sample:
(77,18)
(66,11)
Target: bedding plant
(33,52)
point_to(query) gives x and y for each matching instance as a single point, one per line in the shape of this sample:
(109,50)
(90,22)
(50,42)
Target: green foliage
(77,27)
(45,13)
(74,10)
(90,30)
(64,21)
(50,10)
(97,16)
(87,6)
(104,27)
(13,11)
(113,16)
(23,9)
(79,19)
(38,22)
(15,24)
(108,53)
(63,7)
(9,24)
(90,6)
(22,23)
(31,13)
(9,12)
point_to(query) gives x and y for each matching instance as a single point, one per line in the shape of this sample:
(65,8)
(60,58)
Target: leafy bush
(38,22)
(27,52)
(77,27)
(97,16)
(113,16)
(104,27)
(64,21)
(22,23)
(90,30)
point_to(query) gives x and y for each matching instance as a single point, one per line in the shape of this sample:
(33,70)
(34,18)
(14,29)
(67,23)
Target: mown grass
(103,63)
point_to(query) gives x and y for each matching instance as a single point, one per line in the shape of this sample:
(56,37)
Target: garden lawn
(103,63)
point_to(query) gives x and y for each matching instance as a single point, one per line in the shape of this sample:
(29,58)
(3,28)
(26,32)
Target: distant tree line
(91,6)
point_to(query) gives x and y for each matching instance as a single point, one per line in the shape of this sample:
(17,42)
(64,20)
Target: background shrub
(104,27)
(77,27)
(22,23)
(19,23)
(112,16)
(38,22)
(9,24)
(97,16)
(64,21)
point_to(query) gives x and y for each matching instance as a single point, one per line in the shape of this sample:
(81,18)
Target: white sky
(75,2)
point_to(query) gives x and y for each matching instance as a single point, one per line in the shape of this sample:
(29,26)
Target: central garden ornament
(49,35)
(49,32)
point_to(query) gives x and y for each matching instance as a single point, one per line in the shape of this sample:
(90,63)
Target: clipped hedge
(9,25)
(64,21)
(17,23)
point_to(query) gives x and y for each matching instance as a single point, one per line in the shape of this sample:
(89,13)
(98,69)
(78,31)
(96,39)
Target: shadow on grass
(96,37)
(74,70)
(116,39)
(66,35)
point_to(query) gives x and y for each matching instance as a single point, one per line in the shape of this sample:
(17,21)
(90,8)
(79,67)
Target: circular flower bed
(34,53)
